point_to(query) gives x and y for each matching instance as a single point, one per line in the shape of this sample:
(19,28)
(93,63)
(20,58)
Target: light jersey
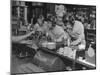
(59,33)
(37,27)
(42,28)
(78,32)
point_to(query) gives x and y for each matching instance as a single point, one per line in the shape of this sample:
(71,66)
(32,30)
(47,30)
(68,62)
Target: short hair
(71,19)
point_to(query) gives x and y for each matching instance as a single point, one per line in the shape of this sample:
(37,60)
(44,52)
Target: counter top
(54,52)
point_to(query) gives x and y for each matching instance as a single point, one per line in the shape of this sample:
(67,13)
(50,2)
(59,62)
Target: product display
(52,37)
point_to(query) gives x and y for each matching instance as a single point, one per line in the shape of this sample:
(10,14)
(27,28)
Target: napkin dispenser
(49,45)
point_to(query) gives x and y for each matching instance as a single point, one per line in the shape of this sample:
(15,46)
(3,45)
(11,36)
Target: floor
(16,62)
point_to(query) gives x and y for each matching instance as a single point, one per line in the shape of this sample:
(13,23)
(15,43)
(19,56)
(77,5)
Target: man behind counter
(77,32)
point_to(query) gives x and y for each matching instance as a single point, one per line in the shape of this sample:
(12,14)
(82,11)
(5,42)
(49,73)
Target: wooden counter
(81,62)
(77,61)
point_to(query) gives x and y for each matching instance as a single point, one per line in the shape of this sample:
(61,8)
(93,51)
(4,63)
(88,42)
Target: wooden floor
(16,62)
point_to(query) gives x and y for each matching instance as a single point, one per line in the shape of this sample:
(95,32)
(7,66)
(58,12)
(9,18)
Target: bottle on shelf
(68,42)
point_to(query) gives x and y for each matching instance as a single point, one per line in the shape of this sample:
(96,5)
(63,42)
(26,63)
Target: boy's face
(49,24)
(40,21)
(69,27)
